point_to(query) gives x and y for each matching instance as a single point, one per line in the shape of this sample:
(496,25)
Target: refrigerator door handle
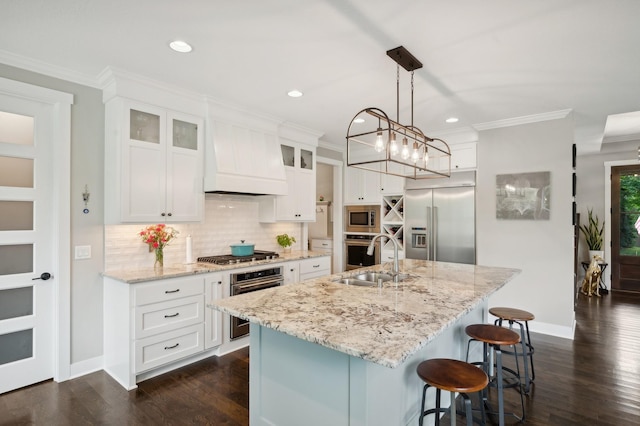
(434,229)
(429,234)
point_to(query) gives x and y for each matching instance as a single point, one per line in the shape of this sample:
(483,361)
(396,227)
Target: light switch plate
(83,252)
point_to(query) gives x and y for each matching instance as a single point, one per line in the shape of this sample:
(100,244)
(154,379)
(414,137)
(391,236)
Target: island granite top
(133,276)
(381,325)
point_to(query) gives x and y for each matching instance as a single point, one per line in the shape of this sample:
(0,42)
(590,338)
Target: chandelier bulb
(405,149)
(393,145)
(426,157)
(379,142)
(415,155)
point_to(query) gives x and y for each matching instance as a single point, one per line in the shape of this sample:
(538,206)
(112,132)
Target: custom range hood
(243,154)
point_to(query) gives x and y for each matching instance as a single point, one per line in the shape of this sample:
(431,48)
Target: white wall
(542,249)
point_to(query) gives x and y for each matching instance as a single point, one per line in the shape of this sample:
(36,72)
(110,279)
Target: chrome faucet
(396,245)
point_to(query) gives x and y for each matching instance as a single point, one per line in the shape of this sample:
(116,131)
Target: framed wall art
(523,196)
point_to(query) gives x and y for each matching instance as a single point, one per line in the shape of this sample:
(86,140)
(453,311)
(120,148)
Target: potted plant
(285,241)
(593,235)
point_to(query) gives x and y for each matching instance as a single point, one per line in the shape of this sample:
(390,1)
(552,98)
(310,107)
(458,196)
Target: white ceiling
(484,61)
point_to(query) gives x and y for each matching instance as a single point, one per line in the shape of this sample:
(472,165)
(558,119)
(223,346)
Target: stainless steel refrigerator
(440,222)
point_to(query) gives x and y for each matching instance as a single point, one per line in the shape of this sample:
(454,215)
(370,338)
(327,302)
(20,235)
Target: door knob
(44,276)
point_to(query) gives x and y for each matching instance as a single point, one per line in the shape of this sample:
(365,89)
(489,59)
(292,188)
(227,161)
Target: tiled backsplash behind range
(228,219)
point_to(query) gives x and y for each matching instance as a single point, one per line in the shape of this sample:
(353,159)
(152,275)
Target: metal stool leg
(530,351)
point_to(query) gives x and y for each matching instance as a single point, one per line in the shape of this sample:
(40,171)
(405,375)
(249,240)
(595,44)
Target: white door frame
(338,251)
(60,215)
(607,213)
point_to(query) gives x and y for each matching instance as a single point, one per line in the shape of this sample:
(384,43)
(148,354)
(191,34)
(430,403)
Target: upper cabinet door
(184,197)
(143,159)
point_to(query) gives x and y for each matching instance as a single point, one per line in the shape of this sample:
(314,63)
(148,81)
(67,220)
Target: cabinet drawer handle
(171,347)
(171,291)
(172,316)
(316,266)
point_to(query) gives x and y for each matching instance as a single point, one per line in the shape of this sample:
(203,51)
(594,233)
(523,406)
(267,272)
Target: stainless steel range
(248,280)
(227,259)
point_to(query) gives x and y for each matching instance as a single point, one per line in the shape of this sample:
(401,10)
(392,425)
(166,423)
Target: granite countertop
(133,276)
(384,326)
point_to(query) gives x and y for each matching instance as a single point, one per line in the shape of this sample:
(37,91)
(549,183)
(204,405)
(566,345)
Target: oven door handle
(258,283)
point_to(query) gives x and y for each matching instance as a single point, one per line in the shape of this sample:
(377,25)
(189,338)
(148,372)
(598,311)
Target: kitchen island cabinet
(327,353)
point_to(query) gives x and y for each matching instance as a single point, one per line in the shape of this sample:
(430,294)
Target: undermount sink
(369,278)
(373,276)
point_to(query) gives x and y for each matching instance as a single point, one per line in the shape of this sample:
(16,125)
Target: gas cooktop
(227,259)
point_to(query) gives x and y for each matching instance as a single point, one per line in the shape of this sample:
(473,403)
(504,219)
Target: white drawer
(164,290)
(387,255)
(165,316)
(314,265)
(321,245)
(157,350)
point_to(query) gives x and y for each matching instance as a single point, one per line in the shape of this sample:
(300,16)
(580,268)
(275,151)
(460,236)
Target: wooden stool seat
(492,334)
(452,375)
(512,314)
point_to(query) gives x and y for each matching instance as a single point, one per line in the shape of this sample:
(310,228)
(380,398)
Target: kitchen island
(325,353)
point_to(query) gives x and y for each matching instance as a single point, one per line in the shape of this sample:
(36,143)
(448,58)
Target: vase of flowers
(157,237)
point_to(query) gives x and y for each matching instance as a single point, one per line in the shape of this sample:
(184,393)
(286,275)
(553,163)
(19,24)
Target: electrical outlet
(83,252)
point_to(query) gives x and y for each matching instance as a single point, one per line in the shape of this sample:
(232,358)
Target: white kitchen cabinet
(315,267)
(391,184)
(299,204)
(153,164)
(463,157)
(150,325)
(361,186)
(291,272)
(214,285)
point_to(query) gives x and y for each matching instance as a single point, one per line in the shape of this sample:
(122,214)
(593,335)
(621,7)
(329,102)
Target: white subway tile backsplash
(228,219)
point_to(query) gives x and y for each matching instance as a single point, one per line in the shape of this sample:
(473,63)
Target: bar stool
(453,376)
(492,338)
(517,316)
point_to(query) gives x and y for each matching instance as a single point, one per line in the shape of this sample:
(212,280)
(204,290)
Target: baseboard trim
(85,367)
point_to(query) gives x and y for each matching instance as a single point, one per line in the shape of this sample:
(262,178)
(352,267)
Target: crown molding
(47,69)
(331,146)
(527,119)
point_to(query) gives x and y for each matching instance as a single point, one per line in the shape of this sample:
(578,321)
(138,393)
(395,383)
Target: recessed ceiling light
(359,120)
(180,46)
(295,93)
(452,120)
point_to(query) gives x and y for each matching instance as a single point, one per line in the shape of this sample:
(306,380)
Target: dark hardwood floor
(592,380)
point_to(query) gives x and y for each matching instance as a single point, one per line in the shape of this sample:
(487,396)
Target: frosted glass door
(25,301)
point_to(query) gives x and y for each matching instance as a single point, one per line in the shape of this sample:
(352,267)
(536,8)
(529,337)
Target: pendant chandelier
(388,147)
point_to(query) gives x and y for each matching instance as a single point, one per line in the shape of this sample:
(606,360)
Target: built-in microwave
(362,219)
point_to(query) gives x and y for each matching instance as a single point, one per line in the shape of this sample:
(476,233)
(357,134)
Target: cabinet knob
(219,282)
(162,214)
(170,214)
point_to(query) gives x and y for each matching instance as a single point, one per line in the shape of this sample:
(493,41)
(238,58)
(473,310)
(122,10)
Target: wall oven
(362,219)
(245,282)
(356,251)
